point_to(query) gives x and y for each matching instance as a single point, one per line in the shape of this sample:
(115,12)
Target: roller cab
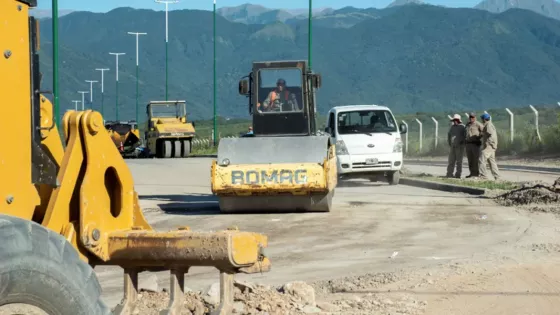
(284,165)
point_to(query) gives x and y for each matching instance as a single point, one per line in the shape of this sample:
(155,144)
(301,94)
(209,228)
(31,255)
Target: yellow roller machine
(169,134)
(65,210)
(284,165)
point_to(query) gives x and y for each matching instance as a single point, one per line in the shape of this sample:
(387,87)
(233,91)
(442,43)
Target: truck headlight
(398,145)
(341,148)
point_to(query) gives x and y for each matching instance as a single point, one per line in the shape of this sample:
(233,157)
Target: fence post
(436,131)
(406,138)
(536,121)
(511,129)
(420,124)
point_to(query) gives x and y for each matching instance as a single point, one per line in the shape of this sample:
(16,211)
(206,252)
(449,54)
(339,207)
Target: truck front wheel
(393,177)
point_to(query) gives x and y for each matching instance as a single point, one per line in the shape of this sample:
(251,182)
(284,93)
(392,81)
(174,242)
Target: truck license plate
(371,161)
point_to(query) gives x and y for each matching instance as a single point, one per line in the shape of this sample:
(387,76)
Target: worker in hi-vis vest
(280,99)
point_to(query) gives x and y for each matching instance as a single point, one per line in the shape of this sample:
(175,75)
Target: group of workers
(479,140)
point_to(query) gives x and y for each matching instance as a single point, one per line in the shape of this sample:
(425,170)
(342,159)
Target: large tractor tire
(186,148)
(40,270)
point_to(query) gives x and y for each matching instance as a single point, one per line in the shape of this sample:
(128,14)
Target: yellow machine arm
(85,191)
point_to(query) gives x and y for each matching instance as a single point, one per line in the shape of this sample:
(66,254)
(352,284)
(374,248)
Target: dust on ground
(294,298)
(451,288)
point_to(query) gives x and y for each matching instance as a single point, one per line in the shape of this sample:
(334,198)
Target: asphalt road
(370,223)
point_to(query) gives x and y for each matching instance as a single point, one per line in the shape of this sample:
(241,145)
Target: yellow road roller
(284,164)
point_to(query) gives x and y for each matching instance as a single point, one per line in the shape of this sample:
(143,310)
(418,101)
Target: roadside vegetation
(475,183)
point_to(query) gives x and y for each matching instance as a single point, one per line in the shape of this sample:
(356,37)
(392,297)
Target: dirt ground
(383,250)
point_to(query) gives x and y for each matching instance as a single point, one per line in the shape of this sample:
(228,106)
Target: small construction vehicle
(284,165)
(168,133)
(64,210)
(125,135)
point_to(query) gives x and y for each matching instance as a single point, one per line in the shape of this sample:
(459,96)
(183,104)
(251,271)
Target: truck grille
(380,164)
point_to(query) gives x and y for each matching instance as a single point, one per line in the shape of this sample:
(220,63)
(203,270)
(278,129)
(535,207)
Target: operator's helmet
(281,82)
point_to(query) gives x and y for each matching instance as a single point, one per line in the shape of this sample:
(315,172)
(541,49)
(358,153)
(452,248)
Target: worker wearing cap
(473,143)
(489,147)
(456,140)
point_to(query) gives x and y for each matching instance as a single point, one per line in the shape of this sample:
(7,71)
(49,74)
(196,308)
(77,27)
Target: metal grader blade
(275,174)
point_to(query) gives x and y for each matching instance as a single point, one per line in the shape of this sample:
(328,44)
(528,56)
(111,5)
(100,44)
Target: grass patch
(475,183)
(204,151)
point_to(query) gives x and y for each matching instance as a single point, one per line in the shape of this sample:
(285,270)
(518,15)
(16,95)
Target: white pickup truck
(368,142)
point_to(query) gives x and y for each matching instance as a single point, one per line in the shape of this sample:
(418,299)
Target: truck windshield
(366,121)
(168,111)
(280,90)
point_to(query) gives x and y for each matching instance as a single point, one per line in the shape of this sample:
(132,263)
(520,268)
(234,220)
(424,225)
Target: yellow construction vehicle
(126,136)
(169,134)
(65,210)
(284,165)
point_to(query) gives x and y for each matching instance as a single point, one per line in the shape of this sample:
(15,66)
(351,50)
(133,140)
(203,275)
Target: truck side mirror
(316,81)
(243,87)
(403,129)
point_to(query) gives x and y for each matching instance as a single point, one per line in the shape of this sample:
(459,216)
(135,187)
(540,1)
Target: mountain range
(258,14)
(413,58)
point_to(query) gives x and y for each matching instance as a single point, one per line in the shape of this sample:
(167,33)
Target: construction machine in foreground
(284,165)
(168,133)
(65,210)
(125,136)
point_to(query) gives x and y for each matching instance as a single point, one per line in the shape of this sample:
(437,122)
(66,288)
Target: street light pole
(102,88)
(215,112)
(166,2)
(91,92)
(137,70)
(83,98)
(76,104)
(310,29)
(117,82)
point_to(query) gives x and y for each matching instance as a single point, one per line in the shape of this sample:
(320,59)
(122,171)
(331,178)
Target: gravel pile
(295,298)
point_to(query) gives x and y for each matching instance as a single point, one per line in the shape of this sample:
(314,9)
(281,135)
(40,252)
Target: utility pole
(102,88)
(215,111)
(117,81)
(76,105)
(91,92)
(166,2)
(137,70)
(83,98)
